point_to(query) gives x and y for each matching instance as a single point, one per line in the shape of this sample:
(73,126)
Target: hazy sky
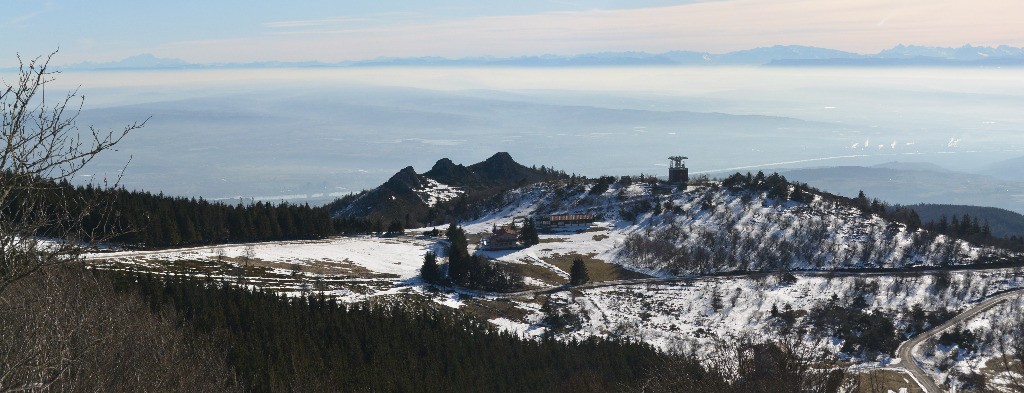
(242,31)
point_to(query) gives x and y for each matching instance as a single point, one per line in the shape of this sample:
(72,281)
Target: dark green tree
(396,228)
(943,224)
(430,271)
(909,217)
(578,273)
(777,187)
(528,235)
(862,201)
(458,255)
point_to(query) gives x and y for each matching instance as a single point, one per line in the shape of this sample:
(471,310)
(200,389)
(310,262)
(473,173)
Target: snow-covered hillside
(709,228)
(705,268)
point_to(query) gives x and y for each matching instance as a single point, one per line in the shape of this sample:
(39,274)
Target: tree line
(66,330)
(146,220)
(968,228)
(962,227)
(121,331)
(275,343)
(140,219)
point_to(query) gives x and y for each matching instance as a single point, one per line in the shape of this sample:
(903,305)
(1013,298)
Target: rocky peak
(447,172)
(406,177)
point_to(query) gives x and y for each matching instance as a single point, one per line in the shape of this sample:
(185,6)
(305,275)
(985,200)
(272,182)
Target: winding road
(906,349)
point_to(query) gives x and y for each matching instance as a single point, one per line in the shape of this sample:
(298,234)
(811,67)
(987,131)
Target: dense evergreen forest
(118,331)
(316,344)
(1002,222)
(144,220)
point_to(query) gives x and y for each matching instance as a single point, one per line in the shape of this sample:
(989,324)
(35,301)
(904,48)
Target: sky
(324,30)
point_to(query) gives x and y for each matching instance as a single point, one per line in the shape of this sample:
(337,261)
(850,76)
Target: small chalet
(555,221)
(504,237)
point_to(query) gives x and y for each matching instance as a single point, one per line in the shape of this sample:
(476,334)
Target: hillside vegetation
(746,223)
(1002,222)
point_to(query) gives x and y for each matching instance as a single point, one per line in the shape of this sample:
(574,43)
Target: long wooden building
(555,221)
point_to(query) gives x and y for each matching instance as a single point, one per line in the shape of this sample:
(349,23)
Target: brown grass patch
(884,381)
(599,270)
(343,268)
(600,237)
(254,268)
(537,273)
(490,309)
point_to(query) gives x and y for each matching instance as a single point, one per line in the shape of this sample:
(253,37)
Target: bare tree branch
(41,220)
(40,224)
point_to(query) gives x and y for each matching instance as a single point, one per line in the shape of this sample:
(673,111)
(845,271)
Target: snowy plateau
(694,269)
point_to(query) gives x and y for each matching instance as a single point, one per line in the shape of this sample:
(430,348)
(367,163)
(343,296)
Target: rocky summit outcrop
(420,199)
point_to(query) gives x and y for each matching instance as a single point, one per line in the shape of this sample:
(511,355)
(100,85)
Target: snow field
(400,256)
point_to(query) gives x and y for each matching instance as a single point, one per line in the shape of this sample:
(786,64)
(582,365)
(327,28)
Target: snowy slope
(708,228)
(400,257)
(691,232)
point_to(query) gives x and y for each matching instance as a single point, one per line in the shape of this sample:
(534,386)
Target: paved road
(905,351)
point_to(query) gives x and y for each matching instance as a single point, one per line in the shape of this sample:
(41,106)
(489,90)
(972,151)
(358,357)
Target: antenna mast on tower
(677,172)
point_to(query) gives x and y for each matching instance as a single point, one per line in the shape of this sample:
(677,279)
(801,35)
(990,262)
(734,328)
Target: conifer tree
(529,235)
(458,255)
(396,228)
(578,273)
(943,224)
(430,271)
(862,201)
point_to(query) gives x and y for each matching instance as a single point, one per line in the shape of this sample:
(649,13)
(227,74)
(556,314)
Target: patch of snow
(518,328)
(400,256)
(433,192)
(451,300)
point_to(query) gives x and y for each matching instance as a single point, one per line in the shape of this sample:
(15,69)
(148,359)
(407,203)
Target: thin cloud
(313,23)
(378,18)
(719,26)
(20,20)
(299,23)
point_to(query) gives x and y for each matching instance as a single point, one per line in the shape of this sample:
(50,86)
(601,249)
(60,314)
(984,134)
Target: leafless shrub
(65,330)
(786,365)
(58,334)
(43,146)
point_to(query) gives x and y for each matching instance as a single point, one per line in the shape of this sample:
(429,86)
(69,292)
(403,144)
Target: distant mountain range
(1006,169)
(779,55)
(143,61)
